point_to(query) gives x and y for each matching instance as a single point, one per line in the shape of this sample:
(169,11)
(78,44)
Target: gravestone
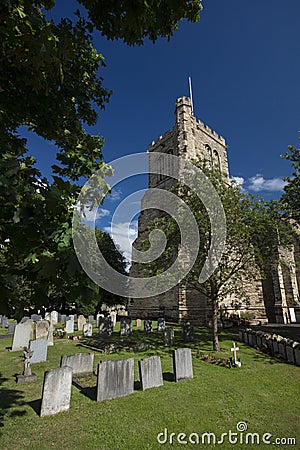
(39,348)
(56,391)
(50,335)
(11,328)
(36,317)
(182,364)
(169,336)
(21,336)
(48,316)
(25,319)
(275,346)
(5,322)
(69,326)
(188,332)
(80,322)
(113,316)
(241,335)
(54,317)
(297,354)
(148,326)
(98,319)
(282,348)
(290,355)
(138,323)
(115,379)
(80,362)
(27,376)
(150,372)
(42,329)
(63,318)
(105,327)
(87,330)
(161,324)
(125,326)
(250,340)
(91,319)
(259,340)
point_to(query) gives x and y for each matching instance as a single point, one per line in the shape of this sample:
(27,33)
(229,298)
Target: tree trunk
(216,345)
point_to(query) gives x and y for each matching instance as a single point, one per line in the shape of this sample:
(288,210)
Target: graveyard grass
(264,393)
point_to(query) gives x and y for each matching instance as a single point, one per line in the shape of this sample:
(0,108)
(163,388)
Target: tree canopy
(291,197)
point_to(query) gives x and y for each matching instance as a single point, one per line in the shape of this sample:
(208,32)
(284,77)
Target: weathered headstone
(21,336)
(87,330)
(54,317)
(63,318)
(90,319)
(297,354)
(169,336)
(27,376)
(69,326)
(188,332)
(80,322)
(56,391)
(39,348)
(113,316)
(105,327)
(150,372)
(98,317)
(138,323)
(290,355)
(80,362)
(161,324)
(11,328)
(125,326)
(241,335)
(48,316)
(42,329)
(5,322)
(182,364)
(25,319)
(50,335)
(115,379)
(282,348)
(147,326)
(36,317)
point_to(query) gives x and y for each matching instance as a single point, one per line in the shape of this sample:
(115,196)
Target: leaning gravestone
(125,326)
(182,364)
(169,336)
(106,327)
(147,326)
(56,391)
(150,372)
(87,330)
(115,379)
(80,362)
(161,324)
(21,336)
(188,332)
(80,322)
(69,326)
(42,329)
(39,348)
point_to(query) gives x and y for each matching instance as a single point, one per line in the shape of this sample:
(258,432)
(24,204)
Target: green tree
(251,241)
(291,197)
(51,82)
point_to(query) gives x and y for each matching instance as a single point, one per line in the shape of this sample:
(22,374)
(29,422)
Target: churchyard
(261,395)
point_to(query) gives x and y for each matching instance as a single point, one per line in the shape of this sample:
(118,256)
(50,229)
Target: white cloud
(123,234)
(115,195)
(239,181)
(259,183)
(88,216)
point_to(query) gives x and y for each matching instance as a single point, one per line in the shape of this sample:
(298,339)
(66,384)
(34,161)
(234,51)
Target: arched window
(216,161)
(208,155)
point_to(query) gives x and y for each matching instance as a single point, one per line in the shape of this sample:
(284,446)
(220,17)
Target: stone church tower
(271,299)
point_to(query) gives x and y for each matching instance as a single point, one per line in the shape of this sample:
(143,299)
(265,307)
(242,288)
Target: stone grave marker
(161,324)
(87,330)
(297,353)
(11,328)
(125,326)
(169,336)
(69,326)
(188,332)
(150,372)
(91,319)
(290,355)
(50,335)
(36,317)
(282,348)
(80,322)
(138,323)
(42,329)
(236,361)
(80,362)
(106,327)
(63,318)
(27,376)
(48,316)
(25,319)
(21,336)
(148,326)
(56,391)
(115,379)
(98,319)
(113,316)
(54,317)
(182,364)
(39,348)
(5,322)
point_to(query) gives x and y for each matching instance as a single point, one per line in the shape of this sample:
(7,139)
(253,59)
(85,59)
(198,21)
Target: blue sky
(243,58)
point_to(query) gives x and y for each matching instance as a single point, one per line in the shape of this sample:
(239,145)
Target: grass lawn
(263,393)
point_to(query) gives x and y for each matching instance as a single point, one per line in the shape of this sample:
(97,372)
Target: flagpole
(191,94)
